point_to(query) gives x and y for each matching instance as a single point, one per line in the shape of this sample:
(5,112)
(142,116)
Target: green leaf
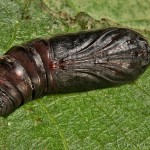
(114,118)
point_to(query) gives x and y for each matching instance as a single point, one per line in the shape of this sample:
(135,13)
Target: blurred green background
(109,119)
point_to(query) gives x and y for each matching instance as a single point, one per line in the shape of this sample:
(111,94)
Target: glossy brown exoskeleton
(71,63)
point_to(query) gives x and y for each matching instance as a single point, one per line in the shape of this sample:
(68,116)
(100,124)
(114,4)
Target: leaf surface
(114,118)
